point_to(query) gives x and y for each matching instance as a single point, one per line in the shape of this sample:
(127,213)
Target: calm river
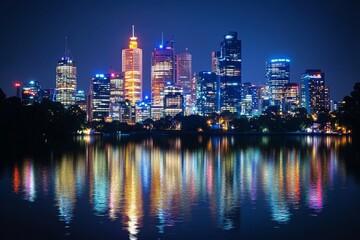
(226,187)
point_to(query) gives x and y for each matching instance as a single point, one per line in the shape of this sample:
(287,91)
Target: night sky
(311,33)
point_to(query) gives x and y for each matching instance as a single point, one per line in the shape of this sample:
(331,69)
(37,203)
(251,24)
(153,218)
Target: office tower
(277,74)
(162,71)
(264,98)
(99,97)
(230,73)
(132,68)
(30,92)
(65,80)
(80,99)
(291,97)
(314,93)
(117,96)
(173,100)
(207,93)
(184,79)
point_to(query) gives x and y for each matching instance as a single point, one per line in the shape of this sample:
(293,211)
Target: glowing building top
(132,68)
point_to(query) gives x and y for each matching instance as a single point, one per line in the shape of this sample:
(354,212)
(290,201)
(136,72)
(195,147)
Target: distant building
(314,93)
(132,68)
(230,72)
(30,92)
(48,93)
(291,97)
(117,95)
(142,111)
(207,93)
(66,81)
(162,71)
(277,75)
(173,100)
(99,97)
(249,92)
(80,99)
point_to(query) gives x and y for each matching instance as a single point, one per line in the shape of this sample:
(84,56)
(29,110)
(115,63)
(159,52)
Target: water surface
(228,187)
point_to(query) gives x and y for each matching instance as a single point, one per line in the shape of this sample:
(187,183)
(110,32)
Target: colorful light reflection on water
(155,185)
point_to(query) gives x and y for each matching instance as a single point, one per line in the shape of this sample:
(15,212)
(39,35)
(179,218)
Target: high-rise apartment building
(65,81)
(229,63)
(99,97)
(207,93)
(132,68)
(314,93)
(277,75)
(162,71)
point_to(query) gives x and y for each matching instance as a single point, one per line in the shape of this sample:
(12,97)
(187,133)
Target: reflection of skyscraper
(277,74)
(65,188)
(100,97)
(230,72)
(66,80)
(132,68)
(162,71)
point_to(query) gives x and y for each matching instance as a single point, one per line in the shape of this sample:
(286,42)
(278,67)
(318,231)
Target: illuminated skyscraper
(229,60)
(132,68)
(162,71)
(116,95)
(314,93)
(207,93)
(99,97)
(173,100)
(277,74)
(184,79)
(66,80)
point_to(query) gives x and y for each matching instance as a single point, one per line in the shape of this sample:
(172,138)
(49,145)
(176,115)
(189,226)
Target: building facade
(117,95)
(132,68)
(291,97)
(207,93)
(65,81)
(229,61)
(173,100)
(314,93)
(184,79)
(162,71)
(99,97)
(277,75)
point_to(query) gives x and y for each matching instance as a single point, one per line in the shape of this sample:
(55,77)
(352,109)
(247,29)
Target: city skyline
(323,37)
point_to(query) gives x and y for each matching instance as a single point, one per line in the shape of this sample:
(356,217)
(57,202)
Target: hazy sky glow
(311,33)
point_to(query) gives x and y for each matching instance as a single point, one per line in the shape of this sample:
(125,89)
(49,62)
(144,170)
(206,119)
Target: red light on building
(17,84)
(113,75)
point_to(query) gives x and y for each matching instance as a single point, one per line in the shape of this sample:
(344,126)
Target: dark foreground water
(240,187)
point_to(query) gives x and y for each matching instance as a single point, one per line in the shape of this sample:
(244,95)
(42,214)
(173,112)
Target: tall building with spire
(66,80)
(132,68)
